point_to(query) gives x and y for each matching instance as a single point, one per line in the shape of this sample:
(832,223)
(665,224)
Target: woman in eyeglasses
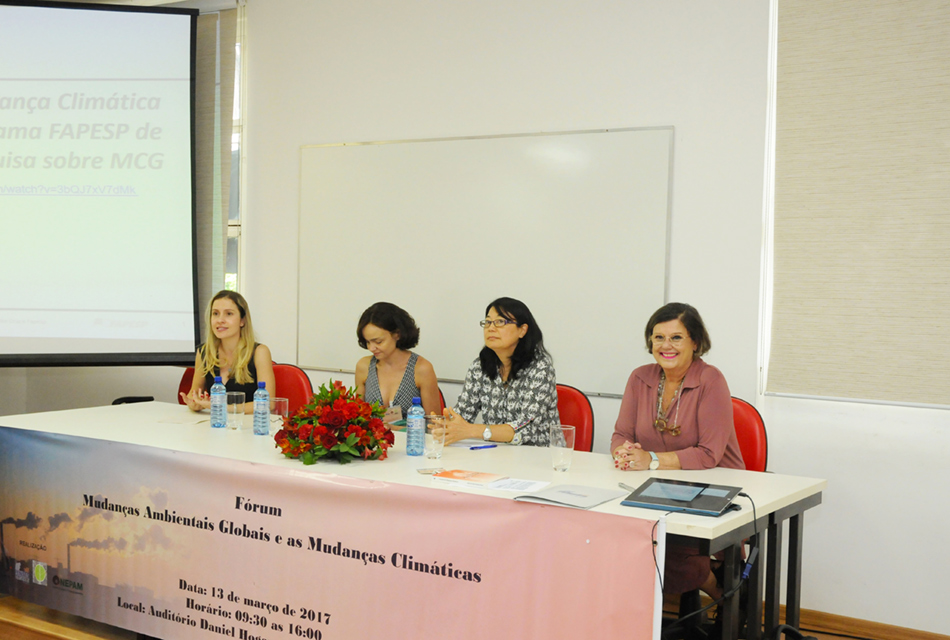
(511,382)
(677,414)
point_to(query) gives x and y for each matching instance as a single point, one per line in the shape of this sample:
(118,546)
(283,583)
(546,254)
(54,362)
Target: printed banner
(179,545)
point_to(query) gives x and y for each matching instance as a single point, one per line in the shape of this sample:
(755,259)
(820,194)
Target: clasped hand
(629,456)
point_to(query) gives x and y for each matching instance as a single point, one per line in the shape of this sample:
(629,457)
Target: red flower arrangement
(337,424)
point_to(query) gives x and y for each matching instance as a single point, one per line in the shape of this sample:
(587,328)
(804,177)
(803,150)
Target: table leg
(754,597)
(793,593)
(729,610)
(773,577)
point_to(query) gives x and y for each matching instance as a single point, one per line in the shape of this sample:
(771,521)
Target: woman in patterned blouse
(511,383)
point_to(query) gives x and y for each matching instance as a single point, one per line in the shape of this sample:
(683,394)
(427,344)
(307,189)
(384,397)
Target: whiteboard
(574,224)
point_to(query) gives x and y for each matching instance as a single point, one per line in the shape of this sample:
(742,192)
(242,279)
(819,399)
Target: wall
(340,71)
(334,71)
(55,388)
(876,547)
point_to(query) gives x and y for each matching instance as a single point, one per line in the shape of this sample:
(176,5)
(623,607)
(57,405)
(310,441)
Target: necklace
(662,420)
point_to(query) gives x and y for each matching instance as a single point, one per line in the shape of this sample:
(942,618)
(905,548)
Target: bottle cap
(260,385)
(217,379)
(417,400)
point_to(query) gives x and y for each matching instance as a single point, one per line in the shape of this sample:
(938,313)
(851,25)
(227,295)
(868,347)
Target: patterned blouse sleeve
(540,402)
(468,403)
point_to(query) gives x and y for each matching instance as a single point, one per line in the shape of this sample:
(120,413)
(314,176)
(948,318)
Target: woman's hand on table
(458,428)
(630,456)
(197,399)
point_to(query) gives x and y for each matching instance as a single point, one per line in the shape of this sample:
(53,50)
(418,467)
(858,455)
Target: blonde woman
(229,351)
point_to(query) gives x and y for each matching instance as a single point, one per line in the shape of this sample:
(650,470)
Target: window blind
(861,262)
(214,102)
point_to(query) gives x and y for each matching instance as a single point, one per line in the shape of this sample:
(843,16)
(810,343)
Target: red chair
(292,383)
(754,445)
(574,409)
(750,431)
(441,402)
(185,385)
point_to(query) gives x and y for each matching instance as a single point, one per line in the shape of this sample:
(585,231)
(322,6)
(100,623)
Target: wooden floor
(21,620)
(826,626)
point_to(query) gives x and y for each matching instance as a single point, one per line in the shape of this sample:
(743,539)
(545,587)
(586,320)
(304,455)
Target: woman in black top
(229,351)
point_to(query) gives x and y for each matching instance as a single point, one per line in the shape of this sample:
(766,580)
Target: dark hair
(690,319)
(391,318)
(528,348)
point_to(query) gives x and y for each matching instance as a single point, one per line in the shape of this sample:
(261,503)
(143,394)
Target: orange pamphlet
(466,478)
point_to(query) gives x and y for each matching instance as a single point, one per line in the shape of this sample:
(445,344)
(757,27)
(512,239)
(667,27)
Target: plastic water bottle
(219,404)
(261,410)
(416,428)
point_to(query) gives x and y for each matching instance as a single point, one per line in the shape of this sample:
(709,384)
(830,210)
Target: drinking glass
(435,436)
(562,445)
(279,410)
(235,410)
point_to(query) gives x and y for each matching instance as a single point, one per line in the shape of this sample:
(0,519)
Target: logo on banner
(21,575)
(39,573)
(66,583)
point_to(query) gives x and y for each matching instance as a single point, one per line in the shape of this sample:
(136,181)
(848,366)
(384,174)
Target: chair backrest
(441,401)
(574,409)
(750,431)
(292,383)
(185,385)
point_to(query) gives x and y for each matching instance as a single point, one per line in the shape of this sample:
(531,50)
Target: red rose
(304,432)
(328,441)
(333,418)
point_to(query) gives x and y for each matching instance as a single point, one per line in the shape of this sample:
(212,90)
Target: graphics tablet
(678,495)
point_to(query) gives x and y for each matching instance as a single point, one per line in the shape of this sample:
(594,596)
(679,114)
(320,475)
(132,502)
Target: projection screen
(97,251)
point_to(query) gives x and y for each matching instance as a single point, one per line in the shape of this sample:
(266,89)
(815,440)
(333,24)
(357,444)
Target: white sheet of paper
(516,484)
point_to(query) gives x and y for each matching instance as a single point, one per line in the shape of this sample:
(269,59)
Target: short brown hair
(690,319)
(391,318)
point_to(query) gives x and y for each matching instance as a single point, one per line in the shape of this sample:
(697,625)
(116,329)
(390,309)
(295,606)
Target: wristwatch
(486,434)
(654,462)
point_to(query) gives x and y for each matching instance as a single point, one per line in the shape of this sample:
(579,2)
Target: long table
(777,498)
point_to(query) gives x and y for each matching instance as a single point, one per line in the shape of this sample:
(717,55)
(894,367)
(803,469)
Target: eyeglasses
(499,323)
(674,340)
